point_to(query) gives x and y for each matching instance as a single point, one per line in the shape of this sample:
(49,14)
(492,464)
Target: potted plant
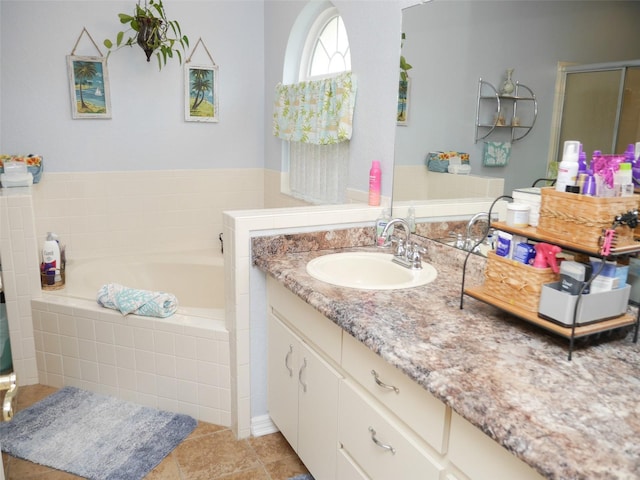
(152,31)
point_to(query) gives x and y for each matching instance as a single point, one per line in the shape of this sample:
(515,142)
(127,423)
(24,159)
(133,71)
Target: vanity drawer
(317,329)
(420,410)
(482,458)
(362,423)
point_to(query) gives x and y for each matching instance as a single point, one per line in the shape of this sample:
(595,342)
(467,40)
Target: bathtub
(195,278)
(180,363)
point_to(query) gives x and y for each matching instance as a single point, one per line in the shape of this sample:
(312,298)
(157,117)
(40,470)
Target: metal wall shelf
(491,102)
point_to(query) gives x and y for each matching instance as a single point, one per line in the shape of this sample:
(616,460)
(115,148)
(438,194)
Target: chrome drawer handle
(286,360)
(302,368)
(382,384)
(379,443)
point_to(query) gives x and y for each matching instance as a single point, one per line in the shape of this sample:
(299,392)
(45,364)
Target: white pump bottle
(568,168)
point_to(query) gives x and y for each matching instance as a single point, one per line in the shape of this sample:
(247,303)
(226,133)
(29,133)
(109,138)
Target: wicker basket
(516,283)
(581,219)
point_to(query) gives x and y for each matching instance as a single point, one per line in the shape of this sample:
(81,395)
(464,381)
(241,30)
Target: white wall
(451,44)
(147,131)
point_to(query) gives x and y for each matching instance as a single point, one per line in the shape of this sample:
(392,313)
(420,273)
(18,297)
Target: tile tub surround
(568,420)
(180,364)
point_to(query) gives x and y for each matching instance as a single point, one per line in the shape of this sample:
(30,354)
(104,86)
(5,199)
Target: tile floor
(211,452)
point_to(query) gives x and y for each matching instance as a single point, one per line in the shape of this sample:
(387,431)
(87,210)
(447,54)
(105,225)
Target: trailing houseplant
(404,66)
(152,31)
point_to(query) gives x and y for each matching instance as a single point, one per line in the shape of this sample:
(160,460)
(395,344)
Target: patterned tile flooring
(211,452)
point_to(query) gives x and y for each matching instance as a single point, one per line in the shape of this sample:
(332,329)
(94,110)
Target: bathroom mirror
(451,45)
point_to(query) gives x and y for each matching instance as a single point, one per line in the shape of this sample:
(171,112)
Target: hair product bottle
(51,259)
(375,178)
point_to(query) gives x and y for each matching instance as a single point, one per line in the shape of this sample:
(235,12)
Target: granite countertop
(577,419)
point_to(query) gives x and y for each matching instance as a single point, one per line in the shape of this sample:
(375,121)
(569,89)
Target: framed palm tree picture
(201,93)
(89,87)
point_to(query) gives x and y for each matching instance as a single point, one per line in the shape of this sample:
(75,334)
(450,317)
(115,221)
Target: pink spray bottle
(546,256)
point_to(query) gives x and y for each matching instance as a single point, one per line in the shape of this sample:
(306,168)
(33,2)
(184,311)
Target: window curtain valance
(318,112)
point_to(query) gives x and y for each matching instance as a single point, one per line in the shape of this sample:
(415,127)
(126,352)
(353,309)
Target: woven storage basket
(516,283)
(580,219)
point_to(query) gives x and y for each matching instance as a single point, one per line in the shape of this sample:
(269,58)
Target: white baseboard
(262,425)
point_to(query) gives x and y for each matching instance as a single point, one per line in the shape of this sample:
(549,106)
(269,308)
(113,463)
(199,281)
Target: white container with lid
(518,214)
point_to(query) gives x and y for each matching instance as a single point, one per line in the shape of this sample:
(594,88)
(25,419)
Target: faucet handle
(401,248)
(416,255)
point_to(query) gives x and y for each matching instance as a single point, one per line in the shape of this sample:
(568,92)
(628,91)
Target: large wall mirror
(452,44)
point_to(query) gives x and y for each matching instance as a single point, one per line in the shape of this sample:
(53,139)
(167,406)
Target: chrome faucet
(407,254)
(478,217)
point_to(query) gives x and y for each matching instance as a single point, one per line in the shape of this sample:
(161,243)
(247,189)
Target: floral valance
(319,112)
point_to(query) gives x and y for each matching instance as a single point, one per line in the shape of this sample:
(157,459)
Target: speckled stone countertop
(576,419)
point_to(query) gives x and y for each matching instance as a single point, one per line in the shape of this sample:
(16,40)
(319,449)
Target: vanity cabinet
(350,415)
(303,385)
(515,113)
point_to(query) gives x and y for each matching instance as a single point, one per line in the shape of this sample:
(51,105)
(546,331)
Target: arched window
(319,173)
(326,49)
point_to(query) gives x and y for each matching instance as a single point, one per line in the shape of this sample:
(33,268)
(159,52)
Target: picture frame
(403,101)
(89,90)
(201,93)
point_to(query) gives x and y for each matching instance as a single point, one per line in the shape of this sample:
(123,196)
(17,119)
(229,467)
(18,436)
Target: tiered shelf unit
(569,332)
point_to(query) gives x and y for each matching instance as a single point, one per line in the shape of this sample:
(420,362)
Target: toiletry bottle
(623,181)
(629,153)
(375,178)
(582,169)
(381,222)
(568,168)
(411,219)
(51,258)
(589,187)
(636,165)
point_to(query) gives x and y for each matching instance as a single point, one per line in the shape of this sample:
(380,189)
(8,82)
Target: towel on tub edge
(139,302)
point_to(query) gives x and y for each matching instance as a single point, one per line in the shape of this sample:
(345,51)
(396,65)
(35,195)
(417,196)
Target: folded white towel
(140,302)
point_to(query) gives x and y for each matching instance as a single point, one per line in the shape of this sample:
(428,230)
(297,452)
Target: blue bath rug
(94,436)
(304,476)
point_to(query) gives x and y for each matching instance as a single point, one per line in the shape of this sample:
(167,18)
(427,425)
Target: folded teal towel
(140,302)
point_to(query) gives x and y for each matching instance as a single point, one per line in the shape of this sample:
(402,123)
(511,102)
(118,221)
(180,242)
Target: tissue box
(439,161)
(34,164)
(559,306)
(16,180)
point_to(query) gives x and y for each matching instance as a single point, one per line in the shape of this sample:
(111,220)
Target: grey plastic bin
(559,306)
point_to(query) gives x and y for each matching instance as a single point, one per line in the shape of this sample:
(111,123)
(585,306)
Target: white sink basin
(368,271)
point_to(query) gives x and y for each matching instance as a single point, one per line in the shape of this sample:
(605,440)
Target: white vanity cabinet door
(420,410)
(384,448)
(481,458)
(303,398)
(318,414)
(282,370)
(347,469)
